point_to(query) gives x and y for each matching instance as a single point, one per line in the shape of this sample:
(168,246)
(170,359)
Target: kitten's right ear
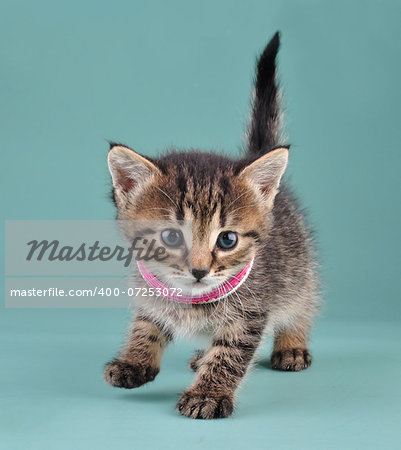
(265,173)
(130,172)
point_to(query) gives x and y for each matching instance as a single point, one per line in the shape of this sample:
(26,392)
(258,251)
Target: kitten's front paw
(125,375)
(292,360)
(205,406)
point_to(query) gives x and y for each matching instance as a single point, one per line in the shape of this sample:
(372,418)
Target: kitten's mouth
(176,294)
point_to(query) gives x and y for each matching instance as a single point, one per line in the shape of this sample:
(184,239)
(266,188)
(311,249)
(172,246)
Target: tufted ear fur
(130,173)
(266,172)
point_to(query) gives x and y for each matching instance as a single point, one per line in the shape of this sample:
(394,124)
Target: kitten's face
(209,213)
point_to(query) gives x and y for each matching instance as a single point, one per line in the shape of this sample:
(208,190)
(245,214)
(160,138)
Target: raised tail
(265,127)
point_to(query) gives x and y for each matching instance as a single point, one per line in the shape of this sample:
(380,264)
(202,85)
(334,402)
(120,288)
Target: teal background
(155,74)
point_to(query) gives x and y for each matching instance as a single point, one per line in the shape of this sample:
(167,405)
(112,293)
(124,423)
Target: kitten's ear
(129,170)
(266,172)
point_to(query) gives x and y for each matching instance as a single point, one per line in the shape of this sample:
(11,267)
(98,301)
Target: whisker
(164,193)
(242,207)
(161,209)
(244,193)
(245,285)
(239,299)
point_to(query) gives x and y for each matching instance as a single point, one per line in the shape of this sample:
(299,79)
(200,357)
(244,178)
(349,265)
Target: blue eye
(227,240)
(172,238)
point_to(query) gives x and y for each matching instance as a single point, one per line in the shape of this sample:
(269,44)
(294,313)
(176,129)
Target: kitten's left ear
(266,172)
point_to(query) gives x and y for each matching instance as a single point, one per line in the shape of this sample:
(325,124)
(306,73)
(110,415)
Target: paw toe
(292,360)
(125,375)
(205,406)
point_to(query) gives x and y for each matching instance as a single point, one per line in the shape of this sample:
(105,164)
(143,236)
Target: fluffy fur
(217,194)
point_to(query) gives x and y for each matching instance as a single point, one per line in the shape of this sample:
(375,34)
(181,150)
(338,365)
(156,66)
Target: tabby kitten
(246,268)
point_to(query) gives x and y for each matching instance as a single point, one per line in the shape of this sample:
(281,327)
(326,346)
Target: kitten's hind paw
(205,406)
(195,360)
(125,375)
(292,360)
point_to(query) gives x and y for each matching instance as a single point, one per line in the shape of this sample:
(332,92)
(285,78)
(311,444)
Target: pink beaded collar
(172,294)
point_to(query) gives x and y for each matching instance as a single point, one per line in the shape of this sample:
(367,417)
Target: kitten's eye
(227,240)
(172,238)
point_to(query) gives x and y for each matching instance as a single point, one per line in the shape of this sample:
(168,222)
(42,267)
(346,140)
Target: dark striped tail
(264,131)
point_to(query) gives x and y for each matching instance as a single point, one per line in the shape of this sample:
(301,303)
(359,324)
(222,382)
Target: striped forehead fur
(205,182)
